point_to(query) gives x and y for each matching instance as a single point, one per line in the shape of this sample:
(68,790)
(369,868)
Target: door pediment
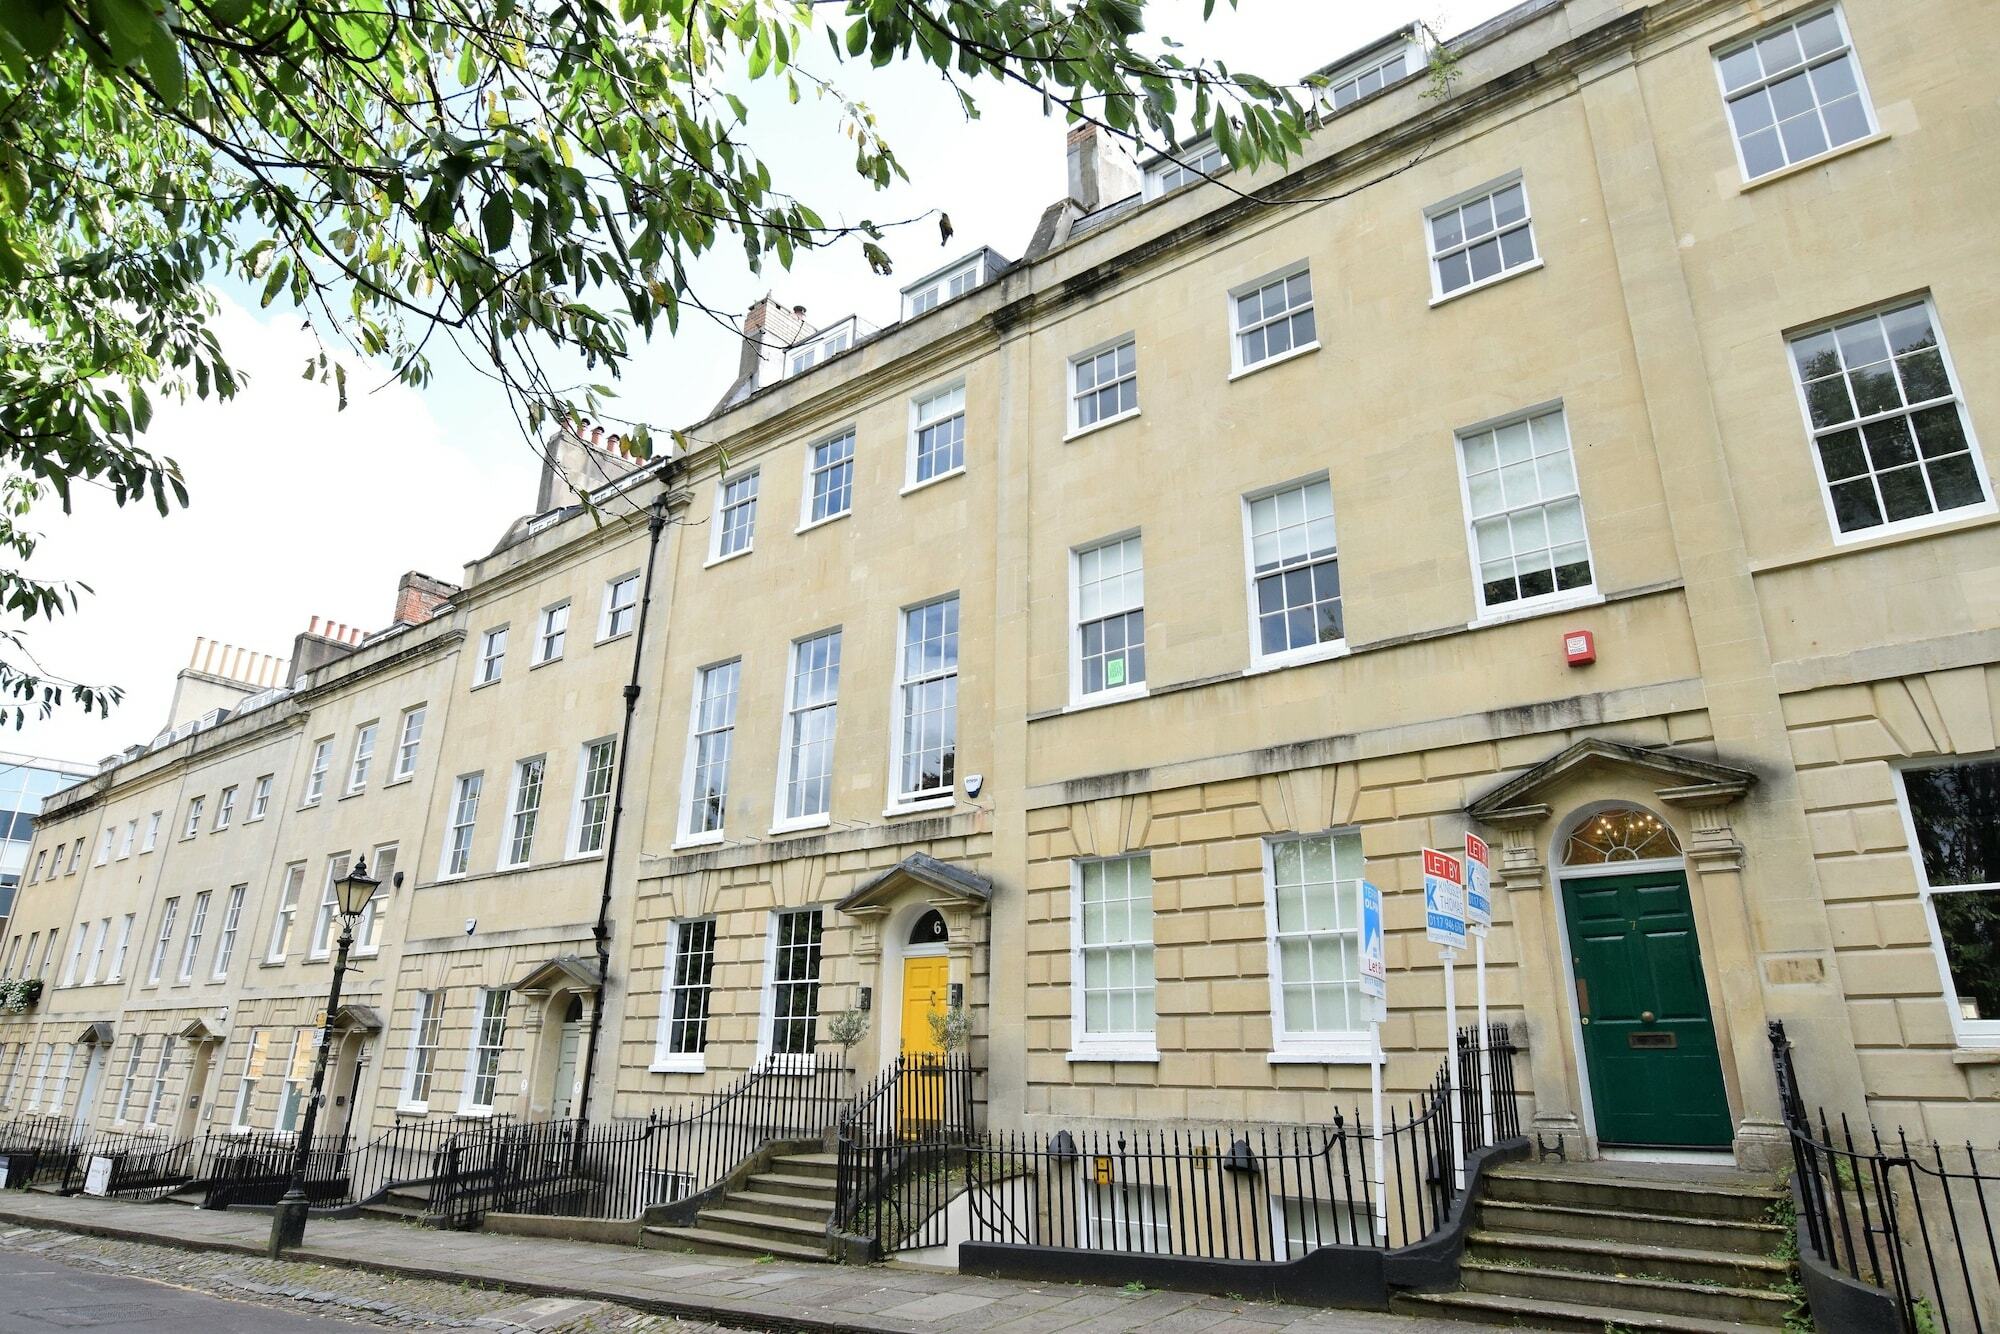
(921,871)
(1679,780)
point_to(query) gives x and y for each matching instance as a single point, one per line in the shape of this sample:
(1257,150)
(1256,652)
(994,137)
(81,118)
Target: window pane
(1956,812)
(1969,922)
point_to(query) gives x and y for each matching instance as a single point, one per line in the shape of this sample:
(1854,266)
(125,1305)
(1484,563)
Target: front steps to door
(782,1208)
(1624,1246)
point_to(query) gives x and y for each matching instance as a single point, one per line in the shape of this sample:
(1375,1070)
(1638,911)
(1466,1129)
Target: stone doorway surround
(545,990)
(884,908)
(1696,797)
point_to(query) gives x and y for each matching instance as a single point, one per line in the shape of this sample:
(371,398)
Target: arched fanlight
(1620,834)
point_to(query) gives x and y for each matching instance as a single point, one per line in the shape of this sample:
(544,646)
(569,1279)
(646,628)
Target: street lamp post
(288,1219)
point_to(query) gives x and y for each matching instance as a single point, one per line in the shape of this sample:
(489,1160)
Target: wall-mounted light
(957,995)
(866,1000)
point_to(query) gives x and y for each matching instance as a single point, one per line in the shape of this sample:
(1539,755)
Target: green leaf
(497,219)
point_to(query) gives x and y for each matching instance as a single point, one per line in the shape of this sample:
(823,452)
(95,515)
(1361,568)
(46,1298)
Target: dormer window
(1190,166)
(1373,75)
(804,358)
(956,283)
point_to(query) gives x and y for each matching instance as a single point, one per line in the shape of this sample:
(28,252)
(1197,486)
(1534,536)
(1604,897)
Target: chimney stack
(420,597)
(1101,170)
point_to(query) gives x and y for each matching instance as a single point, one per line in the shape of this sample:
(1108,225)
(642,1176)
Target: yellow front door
(925,983)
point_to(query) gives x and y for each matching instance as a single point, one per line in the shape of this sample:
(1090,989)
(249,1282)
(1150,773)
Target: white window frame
(169,910)
(161,1066)
(783,821)
(582,799)
(368,931)
(1107,1221)
(408,746)
(225,809)
(484,1042)
(901,800)
(225,940)
(1557,598)
(1917,522)
(193,826)
(152,833)
(1192,164)
(320,944)
(517,836)
(421,1062)
(13,956)
(364,757)
(1413,55)
(1318,652)
(92,969)
(1353,1047)
(292,1084)
(1238,367)
(79,941)
(125,842)
(745,500)
(1726,49)
(1073,396)
(125,925)
(41,861)
(256,1060)
(953,283)
(492,663)
(1111,1045)
(691,765)
(551,634)
(808,493)
(1971,1034)
(285,920)
(121,1113)
(1493,187)
(191,947)
(104,845)
(260,799)
(76,855)
(828,343)
(466,788)
(322,760)
(932,409)
(666,1060)
(1130,689)
(607,619)
(767,1015)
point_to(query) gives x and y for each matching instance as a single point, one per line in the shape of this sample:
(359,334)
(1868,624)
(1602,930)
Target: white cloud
(295,509)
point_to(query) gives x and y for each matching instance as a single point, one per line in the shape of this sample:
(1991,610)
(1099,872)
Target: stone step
(1615,1256)
(1757,1307)
(1561,1220)
(755,1223)
(785,1183)
(1540,1313)
(707,1242)
(824,1165)
(1746,1200)
(810,1207)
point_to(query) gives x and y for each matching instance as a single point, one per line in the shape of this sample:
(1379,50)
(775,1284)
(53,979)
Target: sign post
(1375,994)
(1478,920)
(1444,925)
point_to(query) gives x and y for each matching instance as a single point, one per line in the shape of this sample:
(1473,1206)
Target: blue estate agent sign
(1444,899)
(1374,974)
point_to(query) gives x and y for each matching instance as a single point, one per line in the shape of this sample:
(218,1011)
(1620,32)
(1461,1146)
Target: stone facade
(1757,677)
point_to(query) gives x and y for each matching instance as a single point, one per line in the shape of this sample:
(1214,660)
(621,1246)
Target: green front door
(1648,1038)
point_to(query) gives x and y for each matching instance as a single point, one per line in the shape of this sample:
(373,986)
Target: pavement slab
(723,1290)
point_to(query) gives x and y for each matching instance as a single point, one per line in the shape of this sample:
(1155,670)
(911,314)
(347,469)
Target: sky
(299,510)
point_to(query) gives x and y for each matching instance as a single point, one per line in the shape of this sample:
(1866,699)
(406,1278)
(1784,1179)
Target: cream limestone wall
(1731,630)
(1848,741)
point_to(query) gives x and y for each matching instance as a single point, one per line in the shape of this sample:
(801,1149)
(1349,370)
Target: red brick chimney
(418,597)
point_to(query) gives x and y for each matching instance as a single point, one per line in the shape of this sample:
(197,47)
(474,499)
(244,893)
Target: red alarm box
(1579,648)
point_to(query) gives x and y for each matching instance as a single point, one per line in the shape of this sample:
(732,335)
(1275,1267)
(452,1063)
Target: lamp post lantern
(352,893)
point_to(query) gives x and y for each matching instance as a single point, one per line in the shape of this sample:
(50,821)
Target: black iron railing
(1915,1219)
(141,1164)
(903,1152)
(621,1168)
(1259,1193)
(253,1167)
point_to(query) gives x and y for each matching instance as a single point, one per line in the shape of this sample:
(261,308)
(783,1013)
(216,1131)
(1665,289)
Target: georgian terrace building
(1588,457)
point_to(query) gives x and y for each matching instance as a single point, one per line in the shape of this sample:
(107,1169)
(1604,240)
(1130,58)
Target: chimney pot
(799,311)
